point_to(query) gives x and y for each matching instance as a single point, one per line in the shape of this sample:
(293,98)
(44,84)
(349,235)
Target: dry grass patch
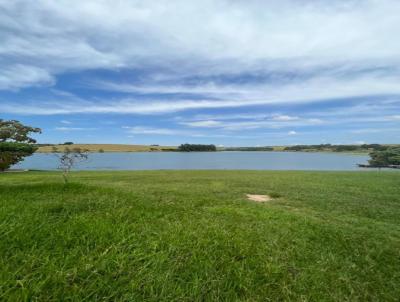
(258,198)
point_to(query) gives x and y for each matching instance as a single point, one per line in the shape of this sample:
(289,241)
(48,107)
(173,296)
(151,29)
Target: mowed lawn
(193,236)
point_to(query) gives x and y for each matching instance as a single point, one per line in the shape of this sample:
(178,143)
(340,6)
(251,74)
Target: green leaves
(194,147)
(12,153)
(17,147)
(391,156)
(14,131)
(15,143)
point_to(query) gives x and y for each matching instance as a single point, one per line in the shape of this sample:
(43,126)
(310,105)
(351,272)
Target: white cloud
(284,118)
(393,118)
(246,53)
(374,130)
(16,76)
(239,36)
(65,122)
(315,90)
(359,142)
(74,129)
(203,124)
(271,122)
(150,130)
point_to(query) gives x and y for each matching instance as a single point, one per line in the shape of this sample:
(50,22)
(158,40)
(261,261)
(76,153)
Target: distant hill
(108,148)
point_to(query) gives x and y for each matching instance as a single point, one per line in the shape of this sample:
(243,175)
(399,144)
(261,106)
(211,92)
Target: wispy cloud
(74,129)
(15,76)
(204,124)
(375,130)
(258,66)
(309,91)
(150,130)
(334,38)
(273,122)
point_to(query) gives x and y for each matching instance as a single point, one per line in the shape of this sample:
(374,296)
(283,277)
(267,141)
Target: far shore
(157,148)
(109,148)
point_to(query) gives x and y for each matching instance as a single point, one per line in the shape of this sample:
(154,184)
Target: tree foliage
(337,148)
(385,158)
(14,131)
(196,147)
(15,142)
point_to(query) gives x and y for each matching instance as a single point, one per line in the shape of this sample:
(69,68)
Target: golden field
(108,148)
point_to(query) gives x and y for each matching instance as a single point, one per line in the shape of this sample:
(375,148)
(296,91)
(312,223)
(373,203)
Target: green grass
(192,236)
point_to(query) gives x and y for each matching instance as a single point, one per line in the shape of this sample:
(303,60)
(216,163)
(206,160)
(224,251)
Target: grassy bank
(108,148)
(193,236)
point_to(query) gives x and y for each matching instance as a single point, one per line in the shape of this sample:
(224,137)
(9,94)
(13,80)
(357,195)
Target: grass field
(193,236)
(108,148)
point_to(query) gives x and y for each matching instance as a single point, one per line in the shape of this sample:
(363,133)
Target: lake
(204,160)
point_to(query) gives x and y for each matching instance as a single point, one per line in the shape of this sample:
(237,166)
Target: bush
(11,153)
(15,143)
(390,156)
(196,147)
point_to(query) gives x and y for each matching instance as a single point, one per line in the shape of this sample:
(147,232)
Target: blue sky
(233,73)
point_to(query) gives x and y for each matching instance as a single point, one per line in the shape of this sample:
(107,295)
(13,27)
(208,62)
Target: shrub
(12,153)
(15,143)
(196,147)
(390,156)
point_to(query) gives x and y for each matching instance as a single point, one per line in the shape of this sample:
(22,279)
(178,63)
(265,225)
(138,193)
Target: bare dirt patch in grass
(258,198)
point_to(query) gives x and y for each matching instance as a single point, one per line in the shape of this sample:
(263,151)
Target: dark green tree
(15,142)
(196,148)
(385,158)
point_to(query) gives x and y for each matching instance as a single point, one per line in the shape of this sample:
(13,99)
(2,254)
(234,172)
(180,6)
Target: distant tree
(385,158)
(196,147)
(101,150)
(68,143)
(343,148)
(375,147)
(15,142)
(69,158)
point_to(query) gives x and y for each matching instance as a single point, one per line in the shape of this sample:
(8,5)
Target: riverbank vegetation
(48,148)
(196,148)
(194,236)
(364,148)
(389,157)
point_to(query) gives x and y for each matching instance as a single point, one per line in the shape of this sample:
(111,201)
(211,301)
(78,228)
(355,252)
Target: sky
(223,72)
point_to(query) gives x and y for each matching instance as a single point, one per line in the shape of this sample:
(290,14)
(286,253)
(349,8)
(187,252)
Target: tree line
(196,148)
(337,148)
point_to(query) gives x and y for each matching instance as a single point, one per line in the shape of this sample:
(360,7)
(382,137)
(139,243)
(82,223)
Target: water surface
(229,160)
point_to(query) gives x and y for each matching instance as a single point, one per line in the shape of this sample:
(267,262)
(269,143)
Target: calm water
(205,160)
